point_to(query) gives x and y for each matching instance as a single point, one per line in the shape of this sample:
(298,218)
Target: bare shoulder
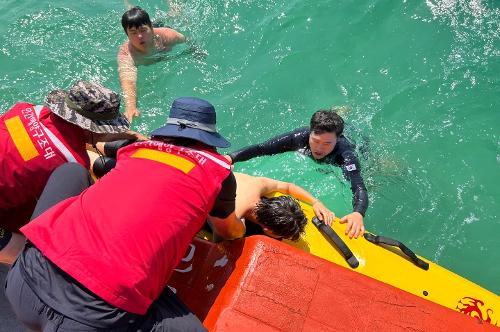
(169,35)
(269,185)
(246,184)
(164,31)
(259,184)
(240,176)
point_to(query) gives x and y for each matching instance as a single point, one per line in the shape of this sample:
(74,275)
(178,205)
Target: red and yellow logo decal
(21,138)
(475,308)
(180,163)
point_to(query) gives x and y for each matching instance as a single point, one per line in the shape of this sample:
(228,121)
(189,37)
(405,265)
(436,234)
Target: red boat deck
(260,284)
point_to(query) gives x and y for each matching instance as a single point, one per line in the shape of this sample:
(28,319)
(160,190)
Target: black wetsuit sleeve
(291,141)
(225,202)
(352,172)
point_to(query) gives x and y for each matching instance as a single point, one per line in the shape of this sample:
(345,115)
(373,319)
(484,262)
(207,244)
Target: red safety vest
(33,142)
(123,236)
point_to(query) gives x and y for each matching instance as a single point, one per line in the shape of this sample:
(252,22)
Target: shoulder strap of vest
(57,142)
(214,159)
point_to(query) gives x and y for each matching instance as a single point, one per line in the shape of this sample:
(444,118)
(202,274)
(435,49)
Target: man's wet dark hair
(282,215)
(134,18)
(327,121)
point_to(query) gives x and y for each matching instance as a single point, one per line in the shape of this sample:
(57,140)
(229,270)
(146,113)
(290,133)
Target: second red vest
(33,142)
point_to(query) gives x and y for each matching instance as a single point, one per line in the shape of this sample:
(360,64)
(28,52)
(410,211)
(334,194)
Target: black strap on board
(344,249)
(391,242)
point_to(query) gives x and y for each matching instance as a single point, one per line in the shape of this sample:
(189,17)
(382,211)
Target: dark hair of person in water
(135,17)
(282,215)
(327,121)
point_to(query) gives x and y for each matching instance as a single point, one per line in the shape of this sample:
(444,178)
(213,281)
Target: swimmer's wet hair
(327,121)
(282,215)
(135,17)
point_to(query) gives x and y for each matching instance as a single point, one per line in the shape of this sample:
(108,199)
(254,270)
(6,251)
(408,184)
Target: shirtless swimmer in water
(144,46)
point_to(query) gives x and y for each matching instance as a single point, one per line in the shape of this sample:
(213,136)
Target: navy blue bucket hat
(193,118)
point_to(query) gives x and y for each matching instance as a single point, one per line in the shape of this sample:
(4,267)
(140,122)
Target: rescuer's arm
(222,218)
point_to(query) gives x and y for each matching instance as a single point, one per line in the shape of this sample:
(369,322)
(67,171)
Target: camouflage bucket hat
(89,106)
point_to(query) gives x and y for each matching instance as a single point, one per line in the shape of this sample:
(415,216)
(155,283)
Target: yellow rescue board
(392,267)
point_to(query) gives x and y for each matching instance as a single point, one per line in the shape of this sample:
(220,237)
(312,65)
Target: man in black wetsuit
(324,142)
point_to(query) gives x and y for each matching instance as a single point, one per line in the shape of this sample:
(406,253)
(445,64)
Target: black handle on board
(391,242)
(344,249)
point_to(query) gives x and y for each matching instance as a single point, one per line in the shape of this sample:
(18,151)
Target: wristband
(5,237)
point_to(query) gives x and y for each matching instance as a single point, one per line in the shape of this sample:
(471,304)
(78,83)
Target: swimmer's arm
(229,228)
(170,37)
(179,37)
(127,72)
(360,198)
(222,217)
(270,185)
(355,223)
(352,172)
(290,141)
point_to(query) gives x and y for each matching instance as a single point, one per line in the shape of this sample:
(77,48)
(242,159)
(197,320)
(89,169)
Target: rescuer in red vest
(35,139)
(102,260)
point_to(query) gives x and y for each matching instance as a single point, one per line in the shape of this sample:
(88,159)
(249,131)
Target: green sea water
(421,79)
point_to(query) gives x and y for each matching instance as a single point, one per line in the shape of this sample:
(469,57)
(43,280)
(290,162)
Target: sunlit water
(421,79)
